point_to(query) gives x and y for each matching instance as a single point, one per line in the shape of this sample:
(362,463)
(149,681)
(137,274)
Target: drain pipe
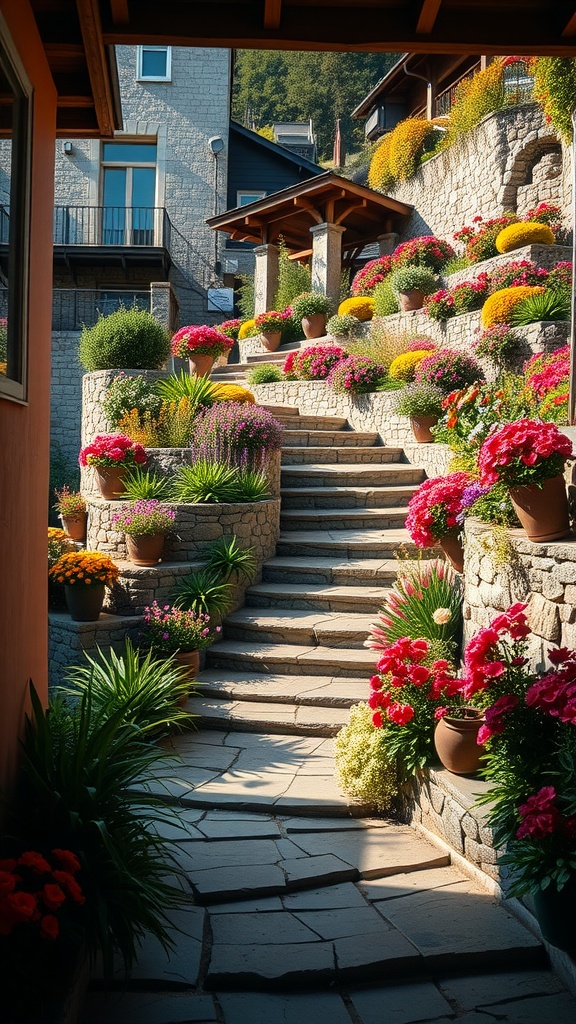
(423,78)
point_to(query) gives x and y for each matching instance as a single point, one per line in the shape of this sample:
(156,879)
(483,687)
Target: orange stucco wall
(24,430)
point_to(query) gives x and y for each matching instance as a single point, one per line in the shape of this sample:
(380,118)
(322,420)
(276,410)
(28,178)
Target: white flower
(441,616)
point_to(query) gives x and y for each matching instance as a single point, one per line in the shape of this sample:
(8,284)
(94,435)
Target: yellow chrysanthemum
(497,308)
(232,393)
(360,306)
(516,235)
(247,329)
(403,367)
(84,567)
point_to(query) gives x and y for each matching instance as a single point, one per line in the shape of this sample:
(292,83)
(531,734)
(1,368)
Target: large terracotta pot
(421,428)
(75,525)
(556,913)
(84,601)
(271,340)
(110,480)
(145,550)
(189,660)
(200,365)
(314,326)
(414,299)
(452,548)
(455,739)
(543,511)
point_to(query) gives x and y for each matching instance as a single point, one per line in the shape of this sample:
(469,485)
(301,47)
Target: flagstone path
(306,908)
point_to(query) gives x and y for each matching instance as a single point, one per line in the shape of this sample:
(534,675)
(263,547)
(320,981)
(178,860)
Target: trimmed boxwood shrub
(126,338)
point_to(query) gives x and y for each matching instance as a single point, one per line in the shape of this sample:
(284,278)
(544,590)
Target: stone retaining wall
(68,640)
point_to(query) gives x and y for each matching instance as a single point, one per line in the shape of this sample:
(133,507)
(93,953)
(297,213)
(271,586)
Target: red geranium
(32,896)
(111,450)
(434,510)
(523,452)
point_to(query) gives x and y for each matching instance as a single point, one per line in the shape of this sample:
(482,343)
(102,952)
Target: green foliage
(62,473)
(344,324)
(363,764)
(208,481)
(420,400)
(264,373)
(127,393)
(198,390)
(88,787)
(228,558)
(408,278)
(293,279)
(476,97)
(385,299)
(274,85)
(125,338)
(555,90)
(141,483)
(147,691)
(551,304)
(246,300)
(311,303)
(204,592)
(421,589)
(455,264)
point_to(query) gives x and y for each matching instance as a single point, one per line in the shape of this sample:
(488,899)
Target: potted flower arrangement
(411,285)
(423,404)
(112,455)
(145,524)
(270,326)
(436,514)
(71,508)
(313,308)
(85,574)
(178,632)
(200,345)
(230,328)
(528,456)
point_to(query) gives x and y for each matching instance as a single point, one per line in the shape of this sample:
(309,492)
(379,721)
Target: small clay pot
(414,299)
(455,739)
(314,326)
(200,365)
(421,428)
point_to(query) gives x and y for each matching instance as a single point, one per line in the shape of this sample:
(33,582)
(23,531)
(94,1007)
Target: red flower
(65,879)
(200,340)
(22,905)
(400,714)
(49,926)
(435,501)
(377,719)
(53,896)
(523,443)
(35,861)
(68,860)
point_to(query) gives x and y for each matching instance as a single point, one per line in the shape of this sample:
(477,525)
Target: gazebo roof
(291,213)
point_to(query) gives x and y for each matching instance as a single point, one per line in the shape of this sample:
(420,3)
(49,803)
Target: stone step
(346,497)
(295,438)
(301,691)
(236,377)
(352,572)
(285,411)
(265,717)
(342,518)
(308,422)
(273,357)
(324,463)
(365,599)
(293,626)
(293,659)
(345,544)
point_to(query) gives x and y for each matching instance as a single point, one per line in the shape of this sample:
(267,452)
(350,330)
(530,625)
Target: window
(128,193)
(154,63)
(243,198)
(15,150)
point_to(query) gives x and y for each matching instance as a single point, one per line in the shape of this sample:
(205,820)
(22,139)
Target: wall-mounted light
(67,148)
(216,144)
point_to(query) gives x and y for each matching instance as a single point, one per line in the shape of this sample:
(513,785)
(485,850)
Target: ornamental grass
(88,568)
(498,307)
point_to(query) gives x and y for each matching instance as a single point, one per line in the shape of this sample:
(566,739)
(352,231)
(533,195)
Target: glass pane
(143,187)
(129,152)
(114,202)
(154,63)
(249,197)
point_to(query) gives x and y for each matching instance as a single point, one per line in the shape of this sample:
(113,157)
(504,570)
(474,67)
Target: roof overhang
(289,214)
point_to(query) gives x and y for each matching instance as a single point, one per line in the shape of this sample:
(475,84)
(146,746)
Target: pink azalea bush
(112,450)
(463,298)
(546,371)
(312,363)
(449,370)
(524,452)
(370,275)
(200,341)
(424,251)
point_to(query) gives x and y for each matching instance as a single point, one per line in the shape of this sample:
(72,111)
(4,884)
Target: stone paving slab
(378,852)
(401,1004)
(329,570)
(312,690)
(471,991)
(150,1008)
(293,1008)
(297,626)
(268,717)
(393,886)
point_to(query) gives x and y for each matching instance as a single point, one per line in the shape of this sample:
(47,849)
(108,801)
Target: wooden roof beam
(348,209)
(91,28)
(570,27)
(272,14)
(427,16)
(303,204)
(120,13)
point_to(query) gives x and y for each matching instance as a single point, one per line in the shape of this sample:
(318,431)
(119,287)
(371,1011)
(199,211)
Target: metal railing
(72,308)
(112,225)
(444,101)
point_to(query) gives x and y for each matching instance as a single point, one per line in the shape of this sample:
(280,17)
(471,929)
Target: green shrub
(264,373)
(213,482)
(546,305)
(363,765)
(420,400)
(409,278)
(126,338)
(227,558)
(385,300)
(246,299)
(127,393)
(293,279)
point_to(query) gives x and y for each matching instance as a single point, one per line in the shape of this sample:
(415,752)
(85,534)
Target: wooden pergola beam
(91,28)
(427,16)
(570,27)
(120,12)
(272,14)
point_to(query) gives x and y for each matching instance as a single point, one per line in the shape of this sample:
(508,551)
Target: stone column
(388,243)
(327,259)
(265,277)
(163,304)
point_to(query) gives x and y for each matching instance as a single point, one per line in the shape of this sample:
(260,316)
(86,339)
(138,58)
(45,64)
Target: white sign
(221,300)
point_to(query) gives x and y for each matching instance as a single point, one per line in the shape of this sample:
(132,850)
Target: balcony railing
(444,101)
(74,307)
(112,226)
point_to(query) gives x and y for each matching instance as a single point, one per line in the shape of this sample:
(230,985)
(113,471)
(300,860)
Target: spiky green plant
(199,390)
(142,484)
(551,304)
(228,558)
(204,591)
(252,485)
(205,482)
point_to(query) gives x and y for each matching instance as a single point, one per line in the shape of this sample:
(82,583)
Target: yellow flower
(497,308)
(360,306)
(516,235)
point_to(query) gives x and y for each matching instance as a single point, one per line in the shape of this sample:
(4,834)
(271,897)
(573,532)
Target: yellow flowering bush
(360,306)
(379,174)
(530,233)
(231,393)
(86,567)
(247,329)
(58,543)
(408,140)
(475,97)
(497,308)
(403,367)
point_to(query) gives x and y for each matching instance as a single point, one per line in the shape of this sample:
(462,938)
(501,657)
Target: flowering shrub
(434,511)
(476,96)
(111,450)
(84,567)
(421,341)
(561,275)
(424,603)
(347,324)
(404,366)
(545,213)
(479,238)
(516,235)
(380,175)
(237,433)
(231,393)
(247,329)
(58,543)
(524,452)
(440,305)
(313,362)
(167,629)
(356,375)
(128,393)
(448,370)
(499,306)
(546,371)
(370,275)
(424,251)
(144,518)
(364,767)
(554,406)
(230,328)
(38,894)
(419,400)
(200,341)
(409,139)
(268,323)
(555,91)
(500,344)
(68,503)
(463,298)
(361,306)
(517,273)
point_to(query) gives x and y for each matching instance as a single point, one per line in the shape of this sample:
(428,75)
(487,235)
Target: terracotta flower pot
(189,660)
(200,365)
(414,299)
(271,340)
(543,511)
(75,525)
(110,480)
(146,550)
(556,913)
(455,739)
(452,548)
(314,326)
(84,601)
(421,428)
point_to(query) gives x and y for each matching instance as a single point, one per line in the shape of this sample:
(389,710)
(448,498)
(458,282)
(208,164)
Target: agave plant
(199,390)
(204,591)
(141,484)
(205,481)
(228,558)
